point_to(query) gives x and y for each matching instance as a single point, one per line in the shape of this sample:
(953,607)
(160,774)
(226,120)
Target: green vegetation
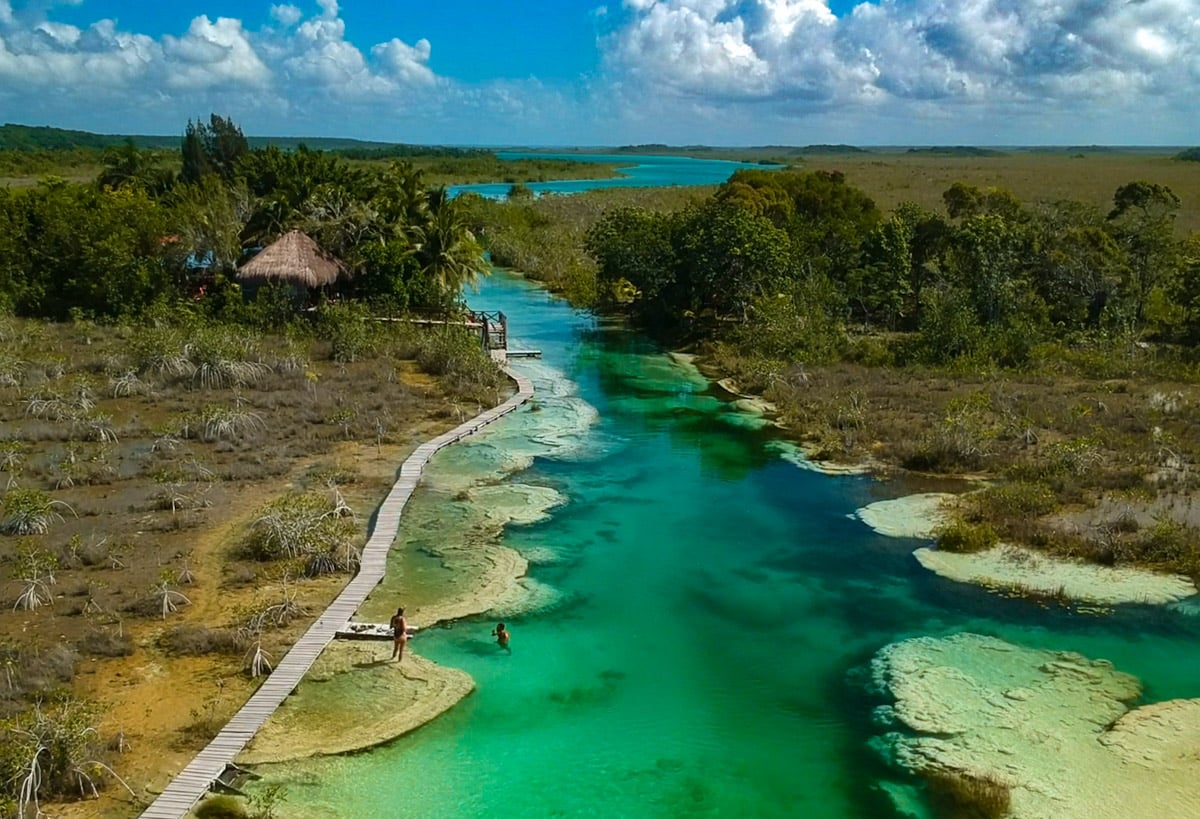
(120,246)
(28,153)
(144,402)
(960,536)
(954,339)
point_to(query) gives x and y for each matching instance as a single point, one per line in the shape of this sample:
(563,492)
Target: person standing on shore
(399,634)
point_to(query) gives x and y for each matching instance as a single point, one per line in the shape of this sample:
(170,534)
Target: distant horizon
(722,73)
(600,147)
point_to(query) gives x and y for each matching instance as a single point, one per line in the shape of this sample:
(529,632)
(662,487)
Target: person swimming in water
(399,634)
(501,634)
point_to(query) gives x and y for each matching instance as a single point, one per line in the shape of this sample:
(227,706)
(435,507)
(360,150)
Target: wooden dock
(194,781)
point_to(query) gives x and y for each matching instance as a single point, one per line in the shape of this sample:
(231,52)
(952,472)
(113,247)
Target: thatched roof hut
(293,258)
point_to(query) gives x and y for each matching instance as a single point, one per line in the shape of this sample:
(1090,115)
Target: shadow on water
(850,698)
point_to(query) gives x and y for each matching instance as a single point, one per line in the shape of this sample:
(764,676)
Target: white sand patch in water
(1054,727)
(541,555)
(915,516)
(355,698)
(1015,568)
(556,424)
(796,455)
(527,597)
(515,503)
(488,576)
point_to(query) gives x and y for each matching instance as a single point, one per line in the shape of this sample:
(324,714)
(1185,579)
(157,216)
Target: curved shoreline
(191,784)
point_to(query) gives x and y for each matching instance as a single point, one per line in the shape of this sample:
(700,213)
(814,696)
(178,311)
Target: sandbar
(1055,728)
(913,516)
(1014,568)
(798,456)
(336,712)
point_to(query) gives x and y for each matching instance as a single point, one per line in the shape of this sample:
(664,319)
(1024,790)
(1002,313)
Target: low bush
(191,640)
(1019,500)
(31,669)
(960,536)
(1168,544)
(105,643)
(51,751)
(221,807)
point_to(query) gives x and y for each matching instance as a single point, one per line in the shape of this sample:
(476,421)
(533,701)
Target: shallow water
(640,172)
(715,610)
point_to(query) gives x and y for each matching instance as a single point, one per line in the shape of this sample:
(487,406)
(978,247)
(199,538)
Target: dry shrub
(193,640)
(30,669)
(105,643)
(961,795)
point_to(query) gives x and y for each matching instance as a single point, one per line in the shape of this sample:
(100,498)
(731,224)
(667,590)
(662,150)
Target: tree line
(803,266)
(122,244)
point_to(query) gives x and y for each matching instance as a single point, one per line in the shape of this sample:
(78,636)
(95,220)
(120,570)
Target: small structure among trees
(295,262)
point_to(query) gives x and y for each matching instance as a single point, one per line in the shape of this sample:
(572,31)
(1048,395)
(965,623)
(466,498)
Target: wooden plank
(194,781)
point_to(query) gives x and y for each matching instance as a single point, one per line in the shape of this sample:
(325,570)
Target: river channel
(701,611)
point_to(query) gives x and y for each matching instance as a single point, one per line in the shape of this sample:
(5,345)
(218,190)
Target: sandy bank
(1015,568)
(355,698)
(1054,727)
(797,455)
(915,516)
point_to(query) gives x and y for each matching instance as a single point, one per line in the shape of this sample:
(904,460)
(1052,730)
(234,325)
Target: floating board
(368,631)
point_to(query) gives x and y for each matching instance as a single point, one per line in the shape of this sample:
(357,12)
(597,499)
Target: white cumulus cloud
(995,52)
(286,15)
(213,54)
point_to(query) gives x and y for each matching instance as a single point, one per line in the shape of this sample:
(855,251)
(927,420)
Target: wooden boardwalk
(190,785)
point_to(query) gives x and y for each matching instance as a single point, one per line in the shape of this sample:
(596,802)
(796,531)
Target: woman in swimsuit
(399,634)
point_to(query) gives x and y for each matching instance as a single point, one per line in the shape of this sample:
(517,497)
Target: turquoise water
(643,172)
(715,608)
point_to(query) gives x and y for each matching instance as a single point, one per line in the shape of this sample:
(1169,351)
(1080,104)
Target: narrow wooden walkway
(186,789)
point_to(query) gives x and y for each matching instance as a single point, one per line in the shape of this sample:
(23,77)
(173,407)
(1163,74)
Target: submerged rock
(1012,568)
(915,516)
(1050,732)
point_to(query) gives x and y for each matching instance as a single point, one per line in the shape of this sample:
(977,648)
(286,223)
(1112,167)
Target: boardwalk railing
(190,785)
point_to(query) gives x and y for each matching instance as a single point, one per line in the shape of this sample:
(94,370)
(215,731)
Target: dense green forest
(120,246)
(1053,346)
(803,266)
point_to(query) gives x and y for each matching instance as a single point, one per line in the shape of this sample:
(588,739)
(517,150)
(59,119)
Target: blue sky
(561,72)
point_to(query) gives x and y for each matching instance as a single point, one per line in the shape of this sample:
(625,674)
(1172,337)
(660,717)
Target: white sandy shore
(798,456)
(913,516)
(1054,727)
(1013,568)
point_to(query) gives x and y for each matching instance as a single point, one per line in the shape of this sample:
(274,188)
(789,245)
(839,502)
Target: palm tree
(446,249)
